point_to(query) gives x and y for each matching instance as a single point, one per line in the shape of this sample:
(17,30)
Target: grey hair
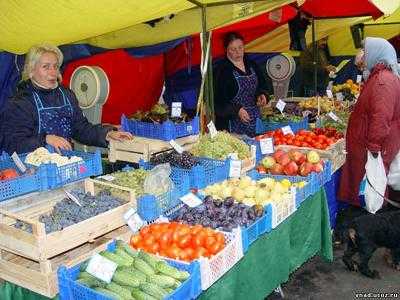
(33,56)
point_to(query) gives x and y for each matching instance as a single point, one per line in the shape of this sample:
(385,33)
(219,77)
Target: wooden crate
(40,246)
(143,148)
(42,277)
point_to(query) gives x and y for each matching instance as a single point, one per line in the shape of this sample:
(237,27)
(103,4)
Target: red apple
(291,169)
(318,167)
(297,156)
(277,169)
(305,169)
(278,154)
(284,159)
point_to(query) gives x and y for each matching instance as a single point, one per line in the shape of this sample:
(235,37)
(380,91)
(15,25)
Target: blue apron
(245,97)
(55,120)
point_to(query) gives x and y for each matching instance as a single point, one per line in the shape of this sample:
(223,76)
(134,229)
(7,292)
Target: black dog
(366,234)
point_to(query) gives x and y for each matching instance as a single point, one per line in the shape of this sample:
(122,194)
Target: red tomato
(185,240)
(173,251)
(148,240)
(200,252)
(220,237)
(154,248)
(144,231)
(210,241)
(198,240)
(189,252)
(135,239)
(297,143)
(165,239)
(196,228)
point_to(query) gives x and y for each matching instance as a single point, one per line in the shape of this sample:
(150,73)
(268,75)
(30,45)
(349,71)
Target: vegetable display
(179,241)
(349,90)
(220,147)
(159,113)
(66,212)
(220,214)
(139,275)
(185,160)
(133,179)
(250,192)
(291,163)
(43,156)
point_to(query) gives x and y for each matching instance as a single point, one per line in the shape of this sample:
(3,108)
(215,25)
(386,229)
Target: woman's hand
(58,142)
(244,116)
(119,136)
(261,100)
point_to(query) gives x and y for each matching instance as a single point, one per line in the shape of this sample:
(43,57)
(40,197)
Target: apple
(283,159)
(313,157)
(277,169)
(297,156)
(291,169)
(318,167)
(261,169)
(306,168)
(268,162)
(278,153)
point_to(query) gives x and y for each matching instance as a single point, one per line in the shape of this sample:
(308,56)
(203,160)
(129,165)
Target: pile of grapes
(185,160)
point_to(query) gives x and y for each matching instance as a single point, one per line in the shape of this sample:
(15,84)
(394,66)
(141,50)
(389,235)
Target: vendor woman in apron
(42,112)
(240,89)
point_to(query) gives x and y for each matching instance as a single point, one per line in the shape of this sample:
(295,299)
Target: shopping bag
(394,173)
(376,182)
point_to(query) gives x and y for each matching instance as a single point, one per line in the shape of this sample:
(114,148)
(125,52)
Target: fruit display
(43,156)
(8,174)
(250,192)
(291,163)
(183,160)
(326,104)
(139,275)
(349,90)
(220,214)
(66,212)
(159,113)
(179,241)
(291,113)
(133,179)
(340,125)
(221,146)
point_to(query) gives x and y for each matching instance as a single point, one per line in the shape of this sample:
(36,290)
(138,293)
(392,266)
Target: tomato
(184,240)
(198,240)
(317,145)
(297,143)
(154,248)
(302,132)
(215,248)
(144,231)
(173,225)
(304,144)
(174,251)
(189,253)
(183,230)
(148,240)
(7,174)
(200,252)
(196,228)
(175,236)
(135,239)
(220,237)
(165,239)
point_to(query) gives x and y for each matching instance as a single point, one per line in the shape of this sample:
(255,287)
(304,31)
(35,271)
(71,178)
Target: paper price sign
(212,129)
(339,96)
(281,105)
(178,148)
(133,220)
(176,109)
(253,151)
(235,168)
(267,146)
(329,94)
(101,268)
(333,116)
(191,200)
(287,130)
(359,78)
(18,162)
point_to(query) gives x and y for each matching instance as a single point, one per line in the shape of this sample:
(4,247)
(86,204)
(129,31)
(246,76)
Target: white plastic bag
(158,181)
(394,173)
(375,171)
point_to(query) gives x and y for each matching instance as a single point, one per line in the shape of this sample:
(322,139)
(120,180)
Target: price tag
(176,109)
(235,168)
(107,177)
(329,94)
(101,268)
(72,197)
(287,130)
(212,129)
(191,200)
(18,162)
(267,146)
(280,105)
(178,148)
(333,116)
(359,78)
(253,151)
(233,155)
(339,96)
(161,219)
(133,220)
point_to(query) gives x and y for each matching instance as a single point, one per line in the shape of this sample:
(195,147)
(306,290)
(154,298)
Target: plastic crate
(166,131)
(24,184)
(261,226)
(69,289)
(208,171)
(264,126)
(282,210)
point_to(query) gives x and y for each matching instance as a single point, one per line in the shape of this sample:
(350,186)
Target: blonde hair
(33,56)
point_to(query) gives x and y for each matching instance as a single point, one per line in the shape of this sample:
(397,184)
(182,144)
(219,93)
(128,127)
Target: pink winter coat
(373,125)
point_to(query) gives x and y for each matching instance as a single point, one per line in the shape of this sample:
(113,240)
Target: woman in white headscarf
(374,124)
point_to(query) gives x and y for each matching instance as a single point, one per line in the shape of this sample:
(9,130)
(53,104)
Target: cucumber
(153,290)
(121,291)
(85,277)
(124,255)
(109,293)
(143,266)
(83,266)
(163,281)
(169,290)
(164,268)
(140,295)
(116,258)
(125,278)
(128,249)
(131,270)
(150,259)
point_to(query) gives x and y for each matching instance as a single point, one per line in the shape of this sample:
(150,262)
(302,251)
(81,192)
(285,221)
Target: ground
(318,279)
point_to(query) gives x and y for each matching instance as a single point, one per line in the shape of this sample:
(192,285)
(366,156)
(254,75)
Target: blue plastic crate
(166,131)
(264,126)
(261,226)
(69,289)
(24,184)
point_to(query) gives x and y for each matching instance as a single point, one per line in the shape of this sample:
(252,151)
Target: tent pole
(208,83)
(314,55)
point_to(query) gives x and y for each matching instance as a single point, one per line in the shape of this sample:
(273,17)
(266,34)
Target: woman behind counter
(43,112)
(240,89)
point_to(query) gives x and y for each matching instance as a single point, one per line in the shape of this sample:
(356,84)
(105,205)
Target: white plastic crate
(211,269)
(282,210)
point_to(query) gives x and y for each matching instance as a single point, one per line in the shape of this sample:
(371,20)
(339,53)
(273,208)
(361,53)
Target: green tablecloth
(269,261)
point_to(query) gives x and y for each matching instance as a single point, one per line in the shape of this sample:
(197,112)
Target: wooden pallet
(143,148)
(41,278)
(40,246)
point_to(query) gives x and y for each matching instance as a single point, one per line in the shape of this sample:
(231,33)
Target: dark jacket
(20,124)
(226,88)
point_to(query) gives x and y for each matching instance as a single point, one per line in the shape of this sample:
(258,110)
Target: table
(269,261)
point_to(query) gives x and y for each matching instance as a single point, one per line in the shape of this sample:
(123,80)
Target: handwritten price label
(101,268)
